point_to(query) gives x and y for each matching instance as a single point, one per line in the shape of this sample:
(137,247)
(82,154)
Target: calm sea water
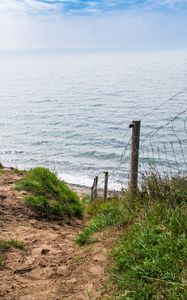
(70,112)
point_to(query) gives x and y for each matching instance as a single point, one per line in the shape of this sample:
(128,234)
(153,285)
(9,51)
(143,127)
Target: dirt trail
(51,267)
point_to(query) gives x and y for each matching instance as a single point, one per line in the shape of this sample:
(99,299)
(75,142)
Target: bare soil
(52,266)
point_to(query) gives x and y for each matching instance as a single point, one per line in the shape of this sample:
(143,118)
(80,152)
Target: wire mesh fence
(162,150)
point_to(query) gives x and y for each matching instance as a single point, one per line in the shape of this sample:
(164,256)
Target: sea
(70,111)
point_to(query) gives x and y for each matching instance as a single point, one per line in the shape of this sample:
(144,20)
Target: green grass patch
(6,245)
(150,260)
(49,196)
(104,214)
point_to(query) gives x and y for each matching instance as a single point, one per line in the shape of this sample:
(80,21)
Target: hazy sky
(128,24)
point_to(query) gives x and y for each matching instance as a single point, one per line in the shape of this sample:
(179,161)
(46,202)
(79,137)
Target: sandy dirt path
(52,267)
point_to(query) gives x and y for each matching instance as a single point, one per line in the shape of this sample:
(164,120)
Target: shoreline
(84,190)
(78,188)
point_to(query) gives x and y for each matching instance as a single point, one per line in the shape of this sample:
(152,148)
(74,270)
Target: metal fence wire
(162,149)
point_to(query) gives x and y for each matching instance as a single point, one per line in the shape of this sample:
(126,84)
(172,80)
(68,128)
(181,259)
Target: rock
(45,251)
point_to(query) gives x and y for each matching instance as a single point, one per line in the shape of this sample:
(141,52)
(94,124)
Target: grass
(49,196)
(150,259)
(171,190)
(104,214)
(6,245)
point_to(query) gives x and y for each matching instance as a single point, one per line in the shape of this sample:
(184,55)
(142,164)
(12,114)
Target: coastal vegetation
(103,214)
(150,257)
(49,196)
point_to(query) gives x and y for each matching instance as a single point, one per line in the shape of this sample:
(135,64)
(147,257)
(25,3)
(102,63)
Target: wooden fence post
(93,191)
(133,184)
(106,186)
(95,187)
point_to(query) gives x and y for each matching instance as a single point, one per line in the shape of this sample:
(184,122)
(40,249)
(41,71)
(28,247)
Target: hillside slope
(51,267)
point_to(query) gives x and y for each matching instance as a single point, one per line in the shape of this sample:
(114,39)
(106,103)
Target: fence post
(133,184)
(92,191)
(95,187)
(106,186)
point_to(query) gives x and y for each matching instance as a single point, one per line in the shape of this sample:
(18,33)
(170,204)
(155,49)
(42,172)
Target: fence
(162,149)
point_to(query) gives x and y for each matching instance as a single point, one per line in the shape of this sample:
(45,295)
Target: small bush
(50,196)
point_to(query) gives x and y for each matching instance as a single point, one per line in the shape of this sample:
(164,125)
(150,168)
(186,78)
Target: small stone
(45,251)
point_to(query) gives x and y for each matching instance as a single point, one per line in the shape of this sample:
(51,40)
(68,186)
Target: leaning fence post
(106,186)
(133,184)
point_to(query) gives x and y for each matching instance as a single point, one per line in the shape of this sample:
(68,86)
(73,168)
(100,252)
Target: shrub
(50,196)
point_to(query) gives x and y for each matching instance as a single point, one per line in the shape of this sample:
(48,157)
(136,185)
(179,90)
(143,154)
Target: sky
(93,24)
